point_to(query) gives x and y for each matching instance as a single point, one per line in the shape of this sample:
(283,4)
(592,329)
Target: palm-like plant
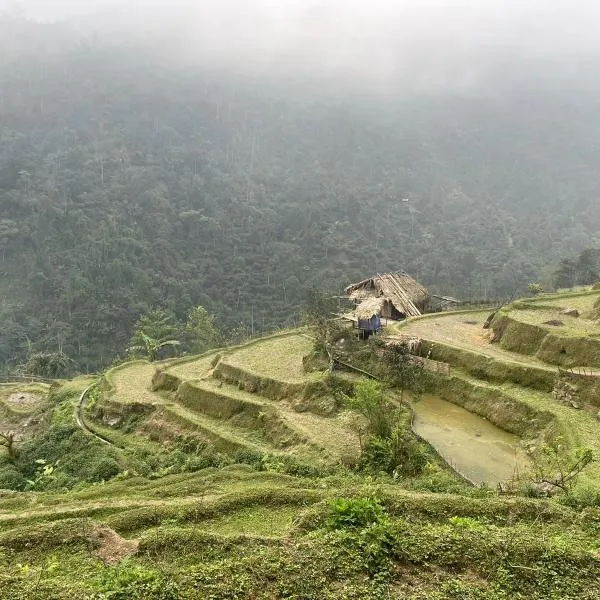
(151,347)
(153,332)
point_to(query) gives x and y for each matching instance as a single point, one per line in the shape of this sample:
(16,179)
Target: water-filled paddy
(473,446)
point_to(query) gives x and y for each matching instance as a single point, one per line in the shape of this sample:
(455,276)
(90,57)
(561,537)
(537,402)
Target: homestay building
(393,296)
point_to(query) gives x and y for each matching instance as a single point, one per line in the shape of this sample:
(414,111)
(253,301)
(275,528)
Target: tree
(50,365)
(535,289)
(153,332)
(386,444)
(565,275)
(200,331)
(588,266)
(369,400)
(401,370)
(320,315)
(8,439)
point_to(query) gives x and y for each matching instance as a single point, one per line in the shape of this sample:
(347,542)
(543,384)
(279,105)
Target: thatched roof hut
(391,295)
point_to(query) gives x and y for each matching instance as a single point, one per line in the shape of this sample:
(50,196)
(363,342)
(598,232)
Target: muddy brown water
(474,447)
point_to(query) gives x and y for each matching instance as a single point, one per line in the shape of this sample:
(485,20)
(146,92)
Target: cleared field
(131,383)
(543,317)
(464,330)
(278,358)
(193,369)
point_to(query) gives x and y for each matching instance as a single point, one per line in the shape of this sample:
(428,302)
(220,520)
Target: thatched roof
(369,307)
(406,294)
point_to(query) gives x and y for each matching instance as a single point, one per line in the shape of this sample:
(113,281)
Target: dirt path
(79,417)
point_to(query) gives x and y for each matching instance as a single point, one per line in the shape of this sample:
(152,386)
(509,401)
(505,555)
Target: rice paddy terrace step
(526,412)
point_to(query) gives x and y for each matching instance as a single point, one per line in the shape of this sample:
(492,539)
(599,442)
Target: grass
(198,368)
(131,383)
(573,326)
(266,536)
(234,532)
(278,358)
(465,331)
(584,303)
(255,521)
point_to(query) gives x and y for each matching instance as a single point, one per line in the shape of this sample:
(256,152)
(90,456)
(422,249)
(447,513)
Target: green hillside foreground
(237,478)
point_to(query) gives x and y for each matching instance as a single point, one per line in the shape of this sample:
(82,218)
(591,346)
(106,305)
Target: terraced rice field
(198,368)
(312,437)
(463,330)
(131,383)
(278,358)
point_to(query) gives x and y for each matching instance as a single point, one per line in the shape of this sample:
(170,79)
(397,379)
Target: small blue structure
(369,326)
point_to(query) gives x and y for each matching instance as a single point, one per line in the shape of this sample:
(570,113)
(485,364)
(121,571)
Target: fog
(423,43)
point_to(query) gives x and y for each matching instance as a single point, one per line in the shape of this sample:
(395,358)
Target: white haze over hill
(419,43)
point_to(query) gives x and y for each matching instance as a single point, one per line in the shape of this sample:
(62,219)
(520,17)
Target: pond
(474,447)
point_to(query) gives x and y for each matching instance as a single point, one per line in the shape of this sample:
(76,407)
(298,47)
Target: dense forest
(129,183)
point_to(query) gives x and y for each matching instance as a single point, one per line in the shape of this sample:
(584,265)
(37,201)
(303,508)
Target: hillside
(239,474)
(130,181)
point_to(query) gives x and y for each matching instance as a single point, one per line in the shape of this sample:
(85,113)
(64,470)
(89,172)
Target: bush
(74,456)
(11,479)
(354,512)
(363,524)
(400,454)
(104,469)
(129,581)
(583,497)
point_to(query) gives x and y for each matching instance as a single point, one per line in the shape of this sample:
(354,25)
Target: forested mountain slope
(127,183)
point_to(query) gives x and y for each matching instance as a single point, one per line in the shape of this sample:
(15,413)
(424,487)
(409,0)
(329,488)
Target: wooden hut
(389,295)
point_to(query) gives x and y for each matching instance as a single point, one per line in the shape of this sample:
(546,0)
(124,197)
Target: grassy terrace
(237,532)
(464,330)
(196,368)
(278,358)
(488,378)
(230,417)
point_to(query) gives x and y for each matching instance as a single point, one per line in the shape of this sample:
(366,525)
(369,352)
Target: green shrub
(11,479)
(400,454)
(74,456)
(250,457)
(130,581)
(354,512)
(585,496)
(363,525)
(104,469)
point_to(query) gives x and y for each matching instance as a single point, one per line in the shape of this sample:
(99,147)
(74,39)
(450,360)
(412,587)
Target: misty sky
(430,42)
